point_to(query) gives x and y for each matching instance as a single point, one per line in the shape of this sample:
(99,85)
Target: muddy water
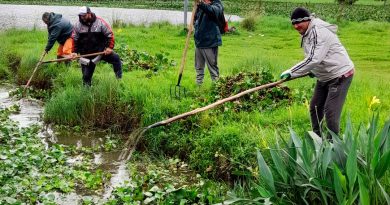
(106,161)
(30,110)
(30,113)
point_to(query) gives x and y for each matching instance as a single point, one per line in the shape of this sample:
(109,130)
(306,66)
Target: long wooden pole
(76,57)
(35,69)
(137,135)
(219,102)
(184,56)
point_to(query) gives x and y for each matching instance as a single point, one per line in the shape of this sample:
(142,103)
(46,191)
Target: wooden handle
(77,57)
(190,29)
(193,112)
(35,69)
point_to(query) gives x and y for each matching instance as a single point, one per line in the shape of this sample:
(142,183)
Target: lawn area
(274,45)
(201,140)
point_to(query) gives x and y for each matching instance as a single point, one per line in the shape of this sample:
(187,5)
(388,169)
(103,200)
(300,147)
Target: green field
(201,139)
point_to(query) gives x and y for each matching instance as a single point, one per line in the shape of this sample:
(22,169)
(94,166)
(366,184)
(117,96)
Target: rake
(177,90)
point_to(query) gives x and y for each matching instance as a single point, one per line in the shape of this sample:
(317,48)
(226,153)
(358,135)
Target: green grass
(273,45)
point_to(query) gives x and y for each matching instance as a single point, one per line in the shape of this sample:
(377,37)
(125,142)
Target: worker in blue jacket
(207,38)
(60,29)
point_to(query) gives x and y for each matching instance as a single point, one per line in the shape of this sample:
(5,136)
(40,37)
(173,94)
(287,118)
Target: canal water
(31,112)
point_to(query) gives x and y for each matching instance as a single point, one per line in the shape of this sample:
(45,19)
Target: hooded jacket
(92,37)
(207,34)
(59,30)
(325,56)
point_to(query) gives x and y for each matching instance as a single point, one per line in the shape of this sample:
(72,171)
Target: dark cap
(300,15)
(46,17)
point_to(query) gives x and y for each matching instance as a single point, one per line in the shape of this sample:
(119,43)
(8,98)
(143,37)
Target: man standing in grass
(60,30)
(91,35)
(207,38)
(326,59)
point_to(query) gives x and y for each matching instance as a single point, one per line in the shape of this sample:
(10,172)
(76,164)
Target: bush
(350,170)
(249,23)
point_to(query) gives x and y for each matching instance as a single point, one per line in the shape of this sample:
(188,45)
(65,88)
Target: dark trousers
(328,101)
(90,68)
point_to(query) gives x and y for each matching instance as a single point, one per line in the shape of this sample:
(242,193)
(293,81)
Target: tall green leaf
(306,158)
(363,139)
(266,173)
(380,140)
(279,165)
(384,193)
(383,165)
(316,140)
(339,184)
(371,134)
(363,192)
(352,166)
(348,139)
(297,142)
(326,159)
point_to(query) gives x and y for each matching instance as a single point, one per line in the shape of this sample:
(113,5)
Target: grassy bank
(219,142)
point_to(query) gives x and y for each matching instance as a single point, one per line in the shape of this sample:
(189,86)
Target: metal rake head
(177,91)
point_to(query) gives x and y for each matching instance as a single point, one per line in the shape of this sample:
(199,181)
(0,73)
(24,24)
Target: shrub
(249,23)
(312,171)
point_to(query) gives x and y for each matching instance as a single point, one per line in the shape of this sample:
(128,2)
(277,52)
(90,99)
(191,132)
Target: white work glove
(286,74)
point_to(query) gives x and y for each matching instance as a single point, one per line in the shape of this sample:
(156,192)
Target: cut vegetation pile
(265,99)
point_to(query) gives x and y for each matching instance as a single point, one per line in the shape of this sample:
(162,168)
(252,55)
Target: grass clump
(98,106)
(249,23)
(4,73)
(13,61)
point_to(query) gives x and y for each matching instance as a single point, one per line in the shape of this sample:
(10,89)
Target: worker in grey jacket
(326,59)
(207,38)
